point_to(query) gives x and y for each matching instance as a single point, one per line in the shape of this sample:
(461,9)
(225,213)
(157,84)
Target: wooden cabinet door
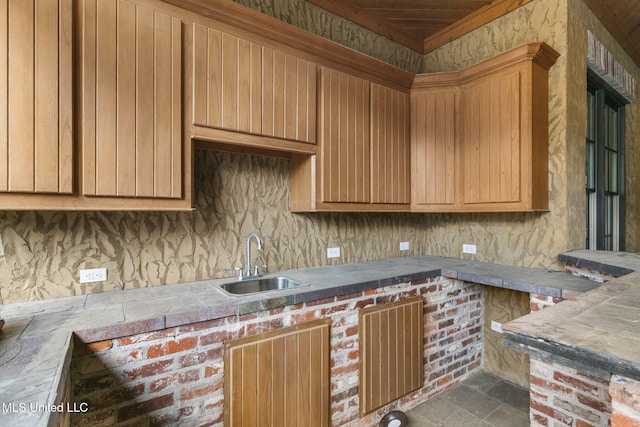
(36,106)
(491,140)
(243,86)
(344,138)
(279,378)
(390,145)
(131,100)
(434,163)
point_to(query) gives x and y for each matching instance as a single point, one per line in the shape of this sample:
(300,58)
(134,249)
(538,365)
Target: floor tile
(510,394)
(483,400)
(507,416)
(478,404)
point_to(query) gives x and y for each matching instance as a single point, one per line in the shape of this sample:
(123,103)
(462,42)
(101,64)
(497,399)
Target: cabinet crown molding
(538,53)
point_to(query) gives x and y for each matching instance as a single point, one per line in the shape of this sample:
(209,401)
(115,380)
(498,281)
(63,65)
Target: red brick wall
(561,395)
(176,375)
(625,401)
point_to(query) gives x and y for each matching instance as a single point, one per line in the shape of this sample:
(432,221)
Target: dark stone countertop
(596,332)
(37,341)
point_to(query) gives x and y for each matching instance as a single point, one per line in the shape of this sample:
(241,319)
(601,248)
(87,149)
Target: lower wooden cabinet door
(279,378)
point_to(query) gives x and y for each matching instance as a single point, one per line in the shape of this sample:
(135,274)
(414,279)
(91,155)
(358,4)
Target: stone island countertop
(36,343)
(598,331)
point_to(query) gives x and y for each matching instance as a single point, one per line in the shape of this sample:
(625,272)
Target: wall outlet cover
(333,252)
(93,275)
(496,326)
(468,249)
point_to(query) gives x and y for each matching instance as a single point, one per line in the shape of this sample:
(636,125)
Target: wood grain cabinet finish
(434,149)
(391,352)
(279,378)
(363,158)
(390,145)
(131,100)
(245,86)
(36,106)
(480,136)
(344,133)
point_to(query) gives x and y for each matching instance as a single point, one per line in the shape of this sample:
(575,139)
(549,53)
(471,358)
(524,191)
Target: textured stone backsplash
(236,194)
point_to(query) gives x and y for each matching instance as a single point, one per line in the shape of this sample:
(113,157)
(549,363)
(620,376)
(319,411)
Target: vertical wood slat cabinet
(344,135)
(492,143)
(391,352)
(390,145)
(131,100)
(434,148)
(363,158)
(279,378)
(480,136)
(244,86)
(36,106)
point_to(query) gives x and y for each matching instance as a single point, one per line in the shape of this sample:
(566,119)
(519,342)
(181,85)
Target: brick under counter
(176,375)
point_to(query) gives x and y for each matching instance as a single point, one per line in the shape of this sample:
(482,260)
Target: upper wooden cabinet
(344,131)
(390,146)
(480,136)
(245,86)
(131,100)
(36,106)
(363,149)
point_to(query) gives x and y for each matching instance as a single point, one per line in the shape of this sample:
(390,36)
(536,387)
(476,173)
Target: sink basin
(262,284)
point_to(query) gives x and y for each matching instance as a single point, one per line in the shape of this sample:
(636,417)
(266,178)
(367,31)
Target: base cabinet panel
(279,378)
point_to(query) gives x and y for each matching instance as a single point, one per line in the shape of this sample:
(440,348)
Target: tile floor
(483,400)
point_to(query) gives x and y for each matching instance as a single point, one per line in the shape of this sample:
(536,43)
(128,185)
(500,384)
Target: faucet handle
(234,269)
(262,267)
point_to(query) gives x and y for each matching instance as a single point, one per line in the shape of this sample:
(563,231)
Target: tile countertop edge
(601,316)
(420,268)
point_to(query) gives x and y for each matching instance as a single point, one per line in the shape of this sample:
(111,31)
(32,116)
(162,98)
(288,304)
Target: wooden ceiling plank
(471,22)
(370,21)
(612,15)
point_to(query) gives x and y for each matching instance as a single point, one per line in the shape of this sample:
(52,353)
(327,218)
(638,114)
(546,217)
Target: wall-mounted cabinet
(362,163)
(240,85)
(131,100)
(480,136)
(91,106)
(36,106)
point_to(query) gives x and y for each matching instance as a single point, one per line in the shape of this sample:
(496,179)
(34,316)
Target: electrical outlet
(404,246)
(93,275)
(496,326)
(468,249)
(333,252)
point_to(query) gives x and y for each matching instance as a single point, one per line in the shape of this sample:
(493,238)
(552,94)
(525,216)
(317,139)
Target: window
(605,170)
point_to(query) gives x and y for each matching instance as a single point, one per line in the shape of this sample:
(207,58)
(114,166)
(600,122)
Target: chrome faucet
(248,273)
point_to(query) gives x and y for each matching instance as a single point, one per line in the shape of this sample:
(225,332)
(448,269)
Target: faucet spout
(252,236)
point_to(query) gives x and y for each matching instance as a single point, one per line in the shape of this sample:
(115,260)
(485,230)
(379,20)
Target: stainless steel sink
(262,284)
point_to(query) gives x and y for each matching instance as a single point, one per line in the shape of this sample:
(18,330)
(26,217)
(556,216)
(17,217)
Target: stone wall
(176,375)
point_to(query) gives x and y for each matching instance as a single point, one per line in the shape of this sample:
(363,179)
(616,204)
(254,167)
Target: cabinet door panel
(131,100)
(344,135)
(35,96)
(490,145)
(433,148)
(390,145)
(292,364)
(243,86)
